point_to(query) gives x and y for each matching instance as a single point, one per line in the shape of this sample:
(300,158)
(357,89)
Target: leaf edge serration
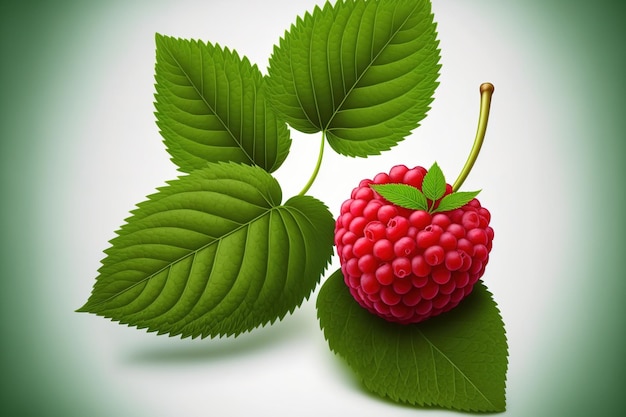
(318,251)
(334,343)
(186,134)
(305,114)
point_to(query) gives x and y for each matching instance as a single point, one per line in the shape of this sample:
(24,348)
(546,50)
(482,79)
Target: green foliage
(456,360)
(456,200)
(434,184)
(214,253)
(402,195)
(433,188)
(212,107)
(362,71)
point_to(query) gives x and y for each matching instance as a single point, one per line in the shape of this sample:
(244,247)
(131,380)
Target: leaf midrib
(191,253)
(355,84)
(434,347)
(207,104)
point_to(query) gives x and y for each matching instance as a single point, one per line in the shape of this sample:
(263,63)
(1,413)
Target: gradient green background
(79,147)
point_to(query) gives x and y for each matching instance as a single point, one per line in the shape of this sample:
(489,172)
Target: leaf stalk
(316,171)
(486,91)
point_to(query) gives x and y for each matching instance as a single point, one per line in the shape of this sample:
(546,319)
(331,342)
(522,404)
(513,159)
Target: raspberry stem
(317,166)
(486,91)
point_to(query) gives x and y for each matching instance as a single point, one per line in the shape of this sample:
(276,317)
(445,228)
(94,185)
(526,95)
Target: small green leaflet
(433,188)
(212,107)
(434,184)
(456,200)
(457,360)
(402,195)
(364,72)
(214,253)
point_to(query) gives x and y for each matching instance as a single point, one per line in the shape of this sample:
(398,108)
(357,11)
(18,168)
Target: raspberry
(408,265)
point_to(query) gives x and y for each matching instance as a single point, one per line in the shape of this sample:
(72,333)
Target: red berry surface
(408,265)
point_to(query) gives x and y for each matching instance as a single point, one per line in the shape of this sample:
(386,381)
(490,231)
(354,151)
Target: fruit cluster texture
(408,265)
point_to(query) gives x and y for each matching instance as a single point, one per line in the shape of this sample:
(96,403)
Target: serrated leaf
(402,195)
(212,107)
(457,360)
(434,183)
(214,253)
(362,71)
(456,200)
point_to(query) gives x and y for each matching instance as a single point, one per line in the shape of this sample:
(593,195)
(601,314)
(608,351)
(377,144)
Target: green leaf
(212,107)
(402,195)
(456,200)
(457,360)
(434,184)
(363,71)
(214,253)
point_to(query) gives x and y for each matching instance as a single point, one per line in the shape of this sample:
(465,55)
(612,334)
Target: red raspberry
(408,265)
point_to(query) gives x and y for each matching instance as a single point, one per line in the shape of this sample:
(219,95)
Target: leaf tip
(86,308)
(159,38)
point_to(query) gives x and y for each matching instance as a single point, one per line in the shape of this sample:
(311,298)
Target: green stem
(317,166)
(486,91)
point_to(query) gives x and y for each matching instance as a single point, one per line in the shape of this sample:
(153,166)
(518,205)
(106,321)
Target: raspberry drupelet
(408,265)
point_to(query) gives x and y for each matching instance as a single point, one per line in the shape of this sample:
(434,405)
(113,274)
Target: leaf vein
(455,367)
(191,253)
(208,105)
(359,77)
